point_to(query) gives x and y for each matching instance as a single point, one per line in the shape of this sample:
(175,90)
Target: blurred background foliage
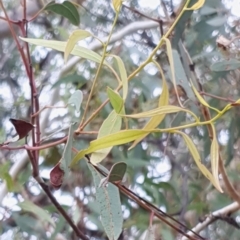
(160,168)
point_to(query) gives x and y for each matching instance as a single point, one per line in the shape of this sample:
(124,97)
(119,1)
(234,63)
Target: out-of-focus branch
(32,8)
(131,28)
(233,207)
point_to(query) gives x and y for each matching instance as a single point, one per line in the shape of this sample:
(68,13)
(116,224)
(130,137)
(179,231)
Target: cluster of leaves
(118,128)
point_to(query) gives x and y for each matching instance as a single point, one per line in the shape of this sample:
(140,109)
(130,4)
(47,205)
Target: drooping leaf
(108,199)
(111,124)
(225,65)
(192,148)
(67,153)
(117,172)
(163,100)
(60,46)
(116,101)
(214,153)
(161,110)
(117,5)
(42,214)
(66,9)
(123,74)
(76,36)
(199,97)
(76,99)
(171,63)
(22,127)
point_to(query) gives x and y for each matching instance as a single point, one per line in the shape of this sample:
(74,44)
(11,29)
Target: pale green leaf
(76,36)
(116,101)
(161,110)
(108,199)
(121,137)
(117,5)
(111,124)
(76,99)
(192,148)
(214,153)
(171,63)
(123,74)
(60,46)
(199,97)
(37,211)
(67,153)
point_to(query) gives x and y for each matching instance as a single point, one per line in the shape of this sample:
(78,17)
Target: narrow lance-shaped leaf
(192,148)
(159,111)
(117,5)
(214,153)
(199,97)
(121,137)
(108,200)
(123,74)
(171,62)
(163,100)
(60,46)
(111,124)
(76,36)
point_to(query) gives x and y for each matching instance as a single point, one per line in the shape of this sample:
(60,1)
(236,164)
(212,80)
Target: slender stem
(97,74)
(217,97)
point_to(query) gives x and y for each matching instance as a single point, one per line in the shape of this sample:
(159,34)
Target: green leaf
(116,101)
(111,124)
(39,212)
(76,36)
(123,74)
(67,153)
(117,5)
(159,111)
(121,137)
(66,9)
(76,99)
(192,148)
(171,63)
(214,153)
(225,65)
(60,46)
(117,172)
(108,199)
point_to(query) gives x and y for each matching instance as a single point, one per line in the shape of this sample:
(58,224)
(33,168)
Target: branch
(131,28)
(233,207)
